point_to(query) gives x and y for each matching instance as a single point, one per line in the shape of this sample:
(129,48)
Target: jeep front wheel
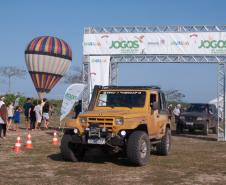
(163,148)
(71,151)
(138,148)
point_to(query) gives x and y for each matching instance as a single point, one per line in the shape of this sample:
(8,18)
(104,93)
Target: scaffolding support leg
(221,134)
(114,73)
(86,80)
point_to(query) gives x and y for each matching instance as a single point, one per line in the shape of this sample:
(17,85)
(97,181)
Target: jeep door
(158,115)
(163,114)
(153,115)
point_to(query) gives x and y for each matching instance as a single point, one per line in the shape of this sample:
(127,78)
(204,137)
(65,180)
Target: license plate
(190,123)
(100,141)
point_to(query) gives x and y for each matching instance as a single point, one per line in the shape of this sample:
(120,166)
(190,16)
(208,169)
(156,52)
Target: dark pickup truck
(199,116)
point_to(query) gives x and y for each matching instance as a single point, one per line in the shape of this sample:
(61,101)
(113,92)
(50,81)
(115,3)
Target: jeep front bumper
(194,125)
(95,136)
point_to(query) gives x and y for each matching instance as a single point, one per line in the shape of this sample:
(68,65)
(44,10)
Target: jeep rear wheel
(163,148)
(138,148)
(71,151)
(215,130)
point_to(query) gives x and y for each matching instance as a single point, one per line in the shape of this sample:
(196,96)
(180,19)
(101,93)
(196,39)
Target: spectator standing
(16,117)
(32,115)
(10,111)
(3,117)
(38,114)
(170,110)
(17,101)
(45,114)
(43,102)
(51,110)
(27,106)
(177,112)
(78,108)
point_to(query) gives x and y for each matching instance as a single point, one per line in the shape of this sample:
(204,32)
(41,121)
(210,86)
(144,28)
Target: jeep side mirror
(155,106)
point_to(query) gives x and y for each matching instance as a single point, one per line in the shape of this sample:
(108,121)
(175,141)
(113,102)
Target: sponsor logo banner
(72,94)
(99,71)
(206,43)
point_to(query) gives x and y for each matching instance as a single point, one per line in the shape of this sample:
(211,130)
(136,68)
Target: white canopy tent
(220,106)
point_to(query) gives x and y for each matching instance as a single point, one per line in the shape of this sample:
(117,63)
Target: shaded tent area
(220,106)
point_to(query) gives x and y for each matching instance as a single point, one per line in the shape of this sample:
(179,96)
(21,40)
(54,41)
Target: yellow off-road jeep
(120,119)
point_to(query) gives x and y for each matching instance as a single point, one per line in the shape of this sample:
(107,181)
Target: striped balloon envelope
(47,59)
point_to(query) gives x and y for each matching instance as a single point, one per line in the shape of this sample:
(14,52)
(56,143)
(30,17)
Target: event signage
(205,43)
(124,44)
(99,71)
(72,94)
(213,44)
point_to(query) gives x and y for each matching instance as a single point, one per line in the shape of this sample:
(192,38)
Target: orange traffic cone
(29,142)
(17,147)
(55,140)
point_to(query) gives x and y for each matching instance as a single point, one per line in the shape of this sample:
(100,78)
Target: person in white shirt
(10,110)
(43,102)
(176,110)
(38,114)
(176,113)
(170,111)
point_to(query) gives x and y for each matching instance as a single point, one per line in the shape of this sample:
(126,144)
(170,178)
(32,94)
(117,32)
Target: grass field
(194,159)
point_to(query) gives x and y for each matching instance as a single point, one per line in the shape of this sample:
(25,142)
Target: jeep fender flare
(167,126)
(141,127)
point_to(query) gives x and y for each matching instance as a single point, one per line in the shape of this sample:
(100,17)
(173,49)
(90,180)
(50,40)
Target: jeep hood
(113,113)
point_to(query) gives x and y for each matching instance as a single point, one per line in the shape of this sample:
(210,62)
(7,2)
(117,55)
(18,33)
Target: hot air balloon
(47,59)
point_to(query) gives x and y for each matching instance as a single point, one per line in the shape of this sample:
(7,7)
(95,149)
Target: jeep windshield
(198,108)
(121,99)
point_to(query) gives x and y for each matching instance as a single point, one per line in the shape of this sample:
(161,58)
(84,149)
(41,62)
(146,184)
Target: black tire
(138,148)
(71,151)
(164,147)
(191,130)
(206,129)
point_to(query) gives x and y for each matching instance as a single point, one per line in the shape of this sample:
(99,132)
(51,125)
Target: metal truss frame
(221,102)
(155,29)
(86,80)
(219,60)
(167,59)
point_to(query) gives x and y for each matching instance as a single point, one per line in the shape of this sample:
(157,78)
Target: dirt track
(193,160)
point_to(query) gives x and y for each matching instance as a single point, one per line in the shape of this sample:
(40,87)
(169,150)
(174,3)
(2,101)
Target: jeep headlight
(76,130)
(83,119)
(200,119)
(119,121)
(182,117)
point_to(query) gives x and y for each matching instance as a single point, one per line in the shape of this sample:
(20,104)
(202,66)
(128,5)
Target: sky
(21,21)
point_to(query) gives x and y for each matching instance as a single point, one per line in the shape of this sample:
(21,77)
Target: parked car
(200,116)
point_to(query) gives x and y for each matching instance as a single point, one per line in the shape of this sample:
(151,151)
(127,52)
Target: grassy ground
(194,159)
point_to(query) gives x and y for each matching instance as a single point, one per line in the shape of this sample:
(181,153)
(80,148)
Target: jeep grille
(190,118)
(103,122)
